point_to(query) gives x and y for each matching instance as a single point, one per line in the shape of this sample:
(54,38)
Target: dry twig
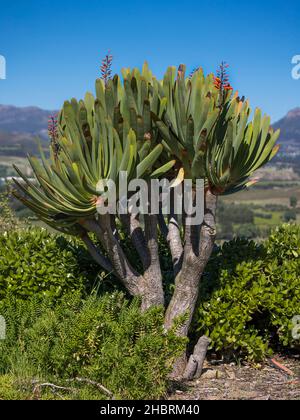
(97,385)
(282,367)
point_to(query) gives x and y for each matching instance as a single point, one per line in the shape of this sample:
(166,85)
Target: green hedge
(251,294)
(284,243)
(32,261)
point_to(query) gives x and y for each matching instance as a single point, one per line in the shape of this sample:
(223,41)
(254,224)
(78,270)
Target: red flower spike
(52,132)
(105,68)
(52,127)
(221,81)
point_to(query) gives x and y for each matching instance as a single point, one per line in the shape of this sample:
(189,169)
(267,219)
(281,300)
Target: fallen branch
(282,367)
(97,385)
(54,387)
(37,388)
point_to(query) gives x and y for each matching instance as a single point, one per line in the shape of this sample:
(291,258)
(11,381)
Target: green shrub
(251,294)
(289,215)
(249,231)
(34,262)
(235,213)
(267,216)
(284,242)
(293,201)
(8,219)
(106,339)
(8,389)
(225,231)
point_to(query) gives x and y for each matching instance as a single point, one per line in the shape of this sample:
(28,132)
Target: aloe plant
(180,127)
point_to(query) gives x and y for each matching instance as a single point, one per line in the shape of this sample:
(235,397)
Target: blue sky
(53,48)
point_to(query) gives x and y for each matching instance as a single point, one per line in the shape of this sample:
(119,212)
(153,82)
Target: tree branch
(194,261)
(96,254)
(174,237)
(97,385)
(135,231)
(122,268)
(148,286)
(175,243)
(152,274)
(163,226)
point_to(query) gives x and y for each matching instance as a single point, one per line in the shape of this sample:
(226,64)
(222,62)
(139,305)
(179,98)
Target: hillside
(290,128)
(19,127)
(24,120)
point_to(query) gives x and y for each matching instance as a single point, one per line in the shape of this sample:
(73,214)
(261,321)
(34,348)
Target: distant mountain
(19,127)
(290,128)
(30,119)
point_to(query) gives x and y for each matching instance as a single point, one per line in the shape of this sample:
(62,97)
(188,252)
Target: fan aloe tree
(180,127)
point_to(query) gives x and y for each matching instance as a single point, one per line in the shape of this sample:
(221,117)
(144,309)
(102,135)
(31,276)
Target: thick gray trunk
(196,255)
(152,271)
(197,252)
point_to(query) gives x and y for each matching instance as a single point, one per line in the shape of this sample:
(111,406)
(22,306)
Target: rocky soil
(231,382)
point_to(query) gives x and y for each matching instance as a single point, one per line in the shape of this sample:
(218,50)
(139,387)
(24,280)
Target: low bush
(275,207)
(105,339)
(8,218)
(267,216)
(249,231)
(34,262)
(9,389)
(289,215)
(235,213)
(284,243)
(251,294)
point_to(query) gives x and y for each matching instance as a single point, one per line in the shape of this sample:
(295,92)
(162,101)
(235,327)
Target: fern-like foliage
(106,339)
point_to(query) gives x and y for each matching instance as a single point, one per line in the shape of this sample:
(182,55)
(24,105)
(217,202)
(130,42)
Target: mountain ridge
(19,126)
(289,126)
(29,119)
